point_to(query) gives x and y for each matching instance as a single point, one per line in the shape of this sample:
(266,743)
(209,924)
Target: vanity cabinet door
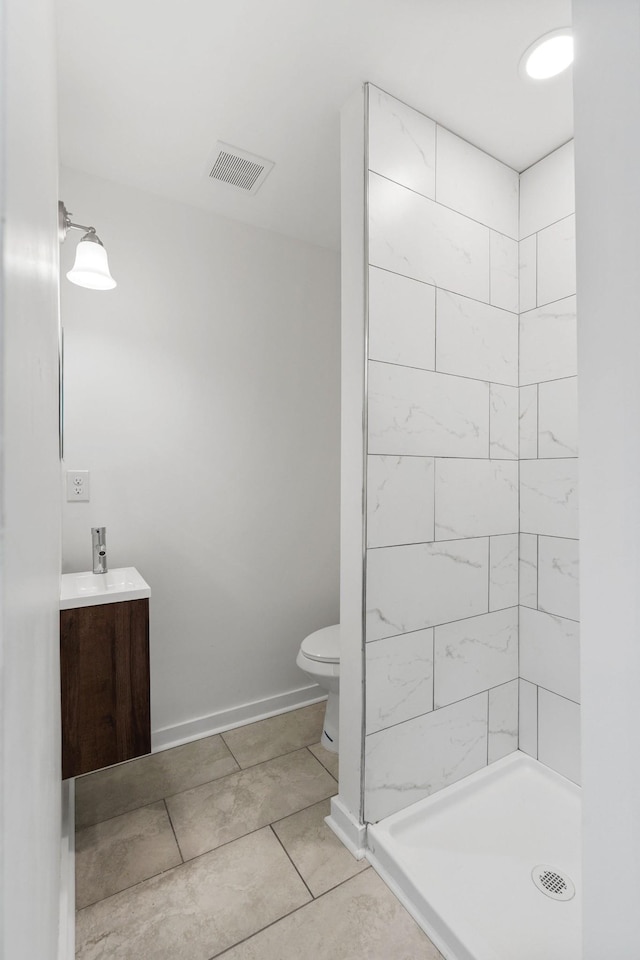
(104,673)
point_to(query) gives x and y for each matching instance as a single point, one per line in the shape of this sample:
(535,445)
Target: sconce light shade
(91,267)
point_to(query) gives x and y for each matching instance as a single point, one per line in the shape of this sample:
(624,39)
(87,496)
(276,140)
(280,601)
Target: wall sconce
(91,267)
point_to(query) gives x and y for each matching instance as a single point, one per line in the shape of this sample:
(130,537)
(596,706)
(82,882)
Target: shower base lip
(460,861)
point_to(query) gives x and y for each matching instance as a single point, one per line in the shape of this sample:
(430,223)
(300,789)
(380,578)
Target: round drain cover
(553,883)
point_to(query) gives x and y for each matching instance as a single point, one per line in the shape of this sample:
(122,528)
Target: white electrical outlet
(77,485)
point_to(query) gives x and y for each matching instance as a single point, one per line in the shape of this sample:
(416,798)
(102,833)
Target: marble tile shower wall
(549,629)
(443,478)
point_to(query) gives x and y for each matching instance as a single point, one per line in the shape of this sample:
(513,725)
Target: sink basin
(115,586)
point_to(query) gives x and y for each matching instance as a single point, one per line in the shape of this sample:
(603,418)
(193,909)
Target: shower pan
(489,866)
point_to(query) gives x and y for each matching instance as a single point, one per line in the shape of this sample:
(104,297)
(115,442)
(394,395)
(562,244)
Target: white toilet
(319,657)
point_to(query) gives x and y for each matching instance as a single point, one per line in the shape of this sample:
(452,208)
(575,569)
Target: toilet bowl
(319,657)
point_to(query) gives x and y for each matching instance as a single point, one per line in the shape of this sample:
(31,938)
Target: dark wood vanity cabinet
(104,674)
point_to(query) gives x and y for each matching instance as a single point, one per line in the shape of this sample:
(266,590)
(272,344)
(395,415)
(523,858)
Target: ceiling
(147,87)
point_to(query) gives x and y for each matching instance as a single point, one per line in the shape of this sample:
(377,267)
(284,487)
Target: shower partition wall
(459,529)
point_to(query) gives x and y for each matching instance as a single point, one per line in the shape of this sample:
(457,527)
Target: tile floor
(219,847)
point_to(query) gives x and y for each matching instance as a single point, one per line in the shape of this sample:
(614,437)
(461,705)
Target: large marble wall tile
(418,238)
(402,320)
(528,718)
(420,585)
(503,720)
(528,570)
(549,497)
(559,734)
(472,182)
(402,143)
(527,268)
(399,684)
(557,261)
(547,190)
(412,760)
(504,272)
(558,418)
(529,422)
(503,571)
(558,576)
(475,654)
(549,652)
(419,413)
(399,500)
(475,498)
(548,344)
(503,422)
(475,340)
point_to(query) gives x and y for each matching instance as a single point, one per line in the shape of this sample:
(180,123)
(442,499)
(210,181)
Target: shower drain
(553,883)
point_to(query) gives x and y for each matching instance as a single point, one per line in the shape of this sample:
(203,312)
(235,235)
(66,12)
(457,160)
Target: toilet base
(329,739)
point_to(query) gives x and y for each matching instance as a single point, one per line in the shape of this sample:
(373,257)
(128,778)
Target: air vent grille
(238,168)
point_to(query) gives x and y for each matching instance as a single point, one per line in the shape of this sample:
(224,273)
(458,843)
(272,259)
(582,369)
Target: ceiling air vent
(238,168)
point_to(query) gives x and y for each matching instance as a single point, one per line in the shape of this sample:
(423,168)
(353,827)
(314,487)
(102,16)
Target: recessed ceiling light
(549,55)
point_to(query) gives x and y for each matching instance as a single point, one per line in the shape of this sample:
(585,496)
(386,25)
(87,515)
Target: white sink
(115,586)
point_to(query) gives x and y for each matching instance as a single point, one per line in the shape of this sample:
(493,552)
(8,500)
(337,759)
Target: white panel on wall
(420,413)
(503,720)
(399,500)
(417,586)
(528,718)
(547,191)
(558,576)
(550,652)
(472,182)
(558,418)
(503,422)
(475,340)
(548,345)
(475,498)
(549,497)
(401,320)
(402,143)
(418,238)
(504,272)
(527,273)
(503,571)
(475,654)
(557,261)
(415,759)
(399,679)
(529,422)
(528,570)
(559,734)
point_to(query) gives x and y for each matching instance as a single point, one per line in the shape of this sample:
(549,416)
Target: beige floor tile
(278,735)
(117,853)
(196,910)
(360,920)
(326,758)
(215,813)
(126,786)
(321,859)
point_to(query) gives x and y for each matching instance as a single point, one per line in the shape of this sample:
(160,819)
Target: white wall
(549,608)
(29,480)
(203,395)
(607,142)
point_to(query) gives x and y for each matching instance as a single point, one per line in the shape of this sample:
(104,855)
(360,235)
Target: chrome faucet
(99,543)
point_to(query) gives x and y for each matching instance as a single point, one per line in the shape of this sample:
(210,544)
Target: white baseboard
(67,927)
(350,831)
(235,717)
